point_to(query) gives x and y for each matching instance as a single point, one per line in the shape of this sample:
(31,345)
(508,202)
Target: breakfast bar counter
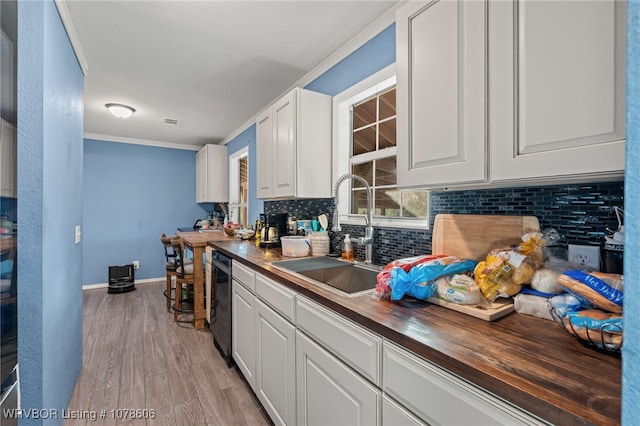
(530,362)
(196,241)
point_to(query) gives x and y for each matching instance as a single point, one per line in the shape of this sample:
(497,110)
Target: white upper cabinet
(557,88)
(8,160)
(212,174)
(264,154)
(441,92)
(293,139)
(510,91)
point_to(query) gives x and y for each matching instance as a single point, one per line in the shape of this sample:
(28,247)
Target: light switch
(78,233)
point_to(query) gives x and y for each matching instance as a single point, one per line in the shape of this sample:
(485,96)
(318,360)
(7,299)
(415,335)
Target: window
(239,187)
(365,145)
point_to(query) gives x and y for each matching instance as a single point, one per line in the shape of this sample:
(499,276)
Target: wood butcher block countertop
(528,361)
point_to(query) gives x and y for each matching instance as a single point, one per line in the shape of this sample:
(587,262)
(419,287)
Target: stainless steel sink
(348,278)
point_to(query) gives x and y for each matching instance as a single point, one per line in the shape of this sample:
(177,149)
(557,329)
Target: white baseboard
(105,285)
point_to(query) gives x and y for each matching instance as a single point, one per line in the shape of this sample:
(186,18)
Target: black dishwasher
(221,307)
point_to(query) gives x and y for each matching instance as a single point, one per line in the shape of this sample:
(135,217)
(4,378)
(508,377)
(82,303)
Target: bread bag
(589,287)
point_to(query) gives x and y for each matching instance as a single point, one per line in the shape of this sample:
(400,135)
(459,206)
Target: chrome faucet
(367,241)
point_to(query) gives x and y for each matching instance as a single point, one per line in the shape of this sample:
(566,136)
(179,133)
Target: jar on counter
(319,243)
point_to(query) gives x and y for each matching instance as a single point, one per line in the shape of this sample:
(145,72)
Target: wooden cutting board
(472,237)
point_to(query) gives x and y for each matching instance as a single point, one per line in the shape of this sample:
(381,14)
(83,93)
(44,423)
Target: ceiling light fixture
(120,110)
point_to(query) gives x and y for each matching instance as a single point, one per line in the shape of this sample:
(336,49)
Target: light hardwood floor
(136,357)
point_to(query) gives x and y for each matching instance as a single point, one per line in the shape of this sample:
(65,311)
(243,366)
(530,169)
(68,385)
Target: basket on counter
(607,337)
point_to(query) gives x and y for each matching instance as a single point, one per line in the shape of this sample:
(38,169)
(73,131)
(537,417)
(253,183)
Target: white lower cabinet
(242,331)
(264,341)
(440,398)
(275,364)
(309,365)
(329,392)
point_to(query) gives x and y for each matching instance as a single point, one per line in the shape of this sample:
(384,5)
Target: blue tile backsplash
(580,212)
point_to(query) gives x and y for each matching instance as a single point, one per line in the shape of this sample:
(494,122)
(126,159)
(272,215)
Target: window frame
(342,131)
(234,184)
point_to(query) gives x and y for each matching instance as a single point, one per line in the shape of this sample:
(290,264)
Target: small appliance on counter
(614,246)
(273,227)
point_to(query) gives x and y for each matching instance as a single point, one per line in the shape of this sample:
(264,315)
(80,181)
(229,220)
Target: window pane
(414,204)
(386,171)
(387,133)
(387,202)
(364,170)
(244,184)
(364,140)
(359,201)
(388,104)
(364,113)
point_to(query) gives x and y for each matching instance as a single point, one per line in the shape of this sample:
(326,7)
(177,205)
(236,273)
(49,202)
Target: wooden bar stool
(170,265)
(184,280)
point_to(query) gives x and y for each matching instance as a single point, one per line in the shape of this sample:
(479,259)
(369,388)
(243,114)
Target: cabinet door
(217,174)
(441,51)
(201,176)
(8,160)
(275,364)
(329,392)
(264,154)
(242,331)
(212,170)
(557,78)
(284,145)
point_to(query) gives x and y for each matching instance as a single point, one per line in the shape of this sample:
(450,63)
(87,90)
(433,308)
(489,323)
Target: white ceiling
(211,65)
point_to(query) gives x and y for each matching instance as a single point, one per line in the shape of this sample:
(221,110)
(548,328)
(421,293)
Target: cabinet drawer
(277,296)
(244,275)
(440,397)
(395,414)
(354,345)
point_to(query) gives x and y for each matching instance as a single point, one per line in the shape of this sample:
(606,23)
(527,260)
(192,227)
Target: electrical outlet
(136,264)
(589,256)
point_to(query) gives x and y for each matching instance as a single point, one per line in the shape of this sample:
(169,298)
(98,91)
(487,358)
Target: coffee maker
(273,227)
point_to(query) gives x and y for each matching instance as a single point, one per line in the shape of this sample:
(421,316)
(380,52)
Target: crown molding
(157,144)
(359,40)
(67,22)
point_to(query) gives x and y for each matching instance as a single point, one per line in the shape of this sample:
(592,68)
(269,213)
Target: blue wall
(50,115)
(631,348)
(132,194)
(370,58)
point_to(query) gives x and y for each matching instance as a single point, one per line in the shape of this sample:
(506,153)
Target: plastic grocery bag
(383,290)
(419,282)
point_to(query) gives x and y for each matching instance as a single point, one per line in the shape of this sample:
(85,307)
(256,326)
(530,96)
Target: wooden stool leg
(169,286)
(177,307)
